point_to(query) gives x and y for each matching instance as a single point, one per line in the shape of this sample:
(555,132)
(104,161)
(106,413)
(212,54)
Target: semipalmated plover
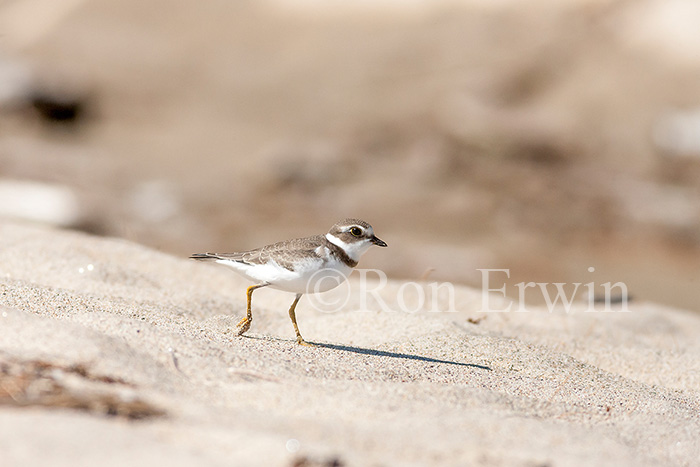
(301,265)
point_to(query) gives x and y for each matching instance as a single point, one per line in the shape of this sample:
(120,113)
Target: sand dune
(115,354)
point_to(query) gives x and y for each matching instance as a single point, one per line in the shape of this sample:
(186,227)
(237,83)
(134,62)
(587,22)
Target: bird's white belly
(312,276)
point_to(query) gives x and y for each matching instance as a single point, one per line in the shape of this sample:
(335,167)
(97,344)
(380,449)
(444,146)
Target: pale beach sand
(115,354)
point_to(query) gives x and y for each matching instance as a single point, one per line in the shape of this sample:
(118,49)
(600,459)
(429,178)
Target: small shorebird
(292,265)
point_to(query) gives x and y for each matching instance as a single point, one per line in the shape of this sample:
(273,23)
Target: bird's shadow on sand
(375,353)
(405,356)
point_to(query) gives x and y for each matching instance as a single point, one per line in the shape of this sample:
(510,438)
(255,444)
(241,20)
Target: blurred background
(543,136)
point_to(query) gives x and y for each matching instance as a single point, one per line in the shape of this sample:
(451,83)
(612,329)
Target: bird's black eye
(356,231)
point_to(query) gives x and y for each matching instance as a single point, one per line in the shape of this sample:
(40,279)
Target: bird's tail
(205,256)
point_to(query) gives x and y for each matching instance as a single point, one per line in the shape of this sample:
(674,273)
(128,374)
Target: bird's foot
(243,325)
(301,341)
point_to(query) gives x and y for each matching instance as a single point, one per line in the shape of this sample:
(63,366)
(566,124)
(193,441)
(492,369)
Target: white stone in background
(667,28)
(15,83)
(677,132)
(39,202)
(154,201)
(654,203)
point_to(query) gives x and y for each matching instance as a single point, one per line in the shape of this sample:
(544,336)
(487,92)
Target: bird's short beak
(378,241)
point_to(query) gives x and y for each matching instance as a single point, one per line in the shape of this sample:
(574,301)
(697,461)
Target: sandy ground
(115,354)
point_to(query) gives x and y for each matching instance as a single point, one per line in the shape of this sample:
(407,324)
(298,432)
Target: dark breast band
(339,253)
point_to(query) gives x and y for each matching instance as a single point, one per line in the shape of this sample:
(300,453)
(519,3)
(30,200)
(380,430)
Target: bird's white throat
(354,250)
